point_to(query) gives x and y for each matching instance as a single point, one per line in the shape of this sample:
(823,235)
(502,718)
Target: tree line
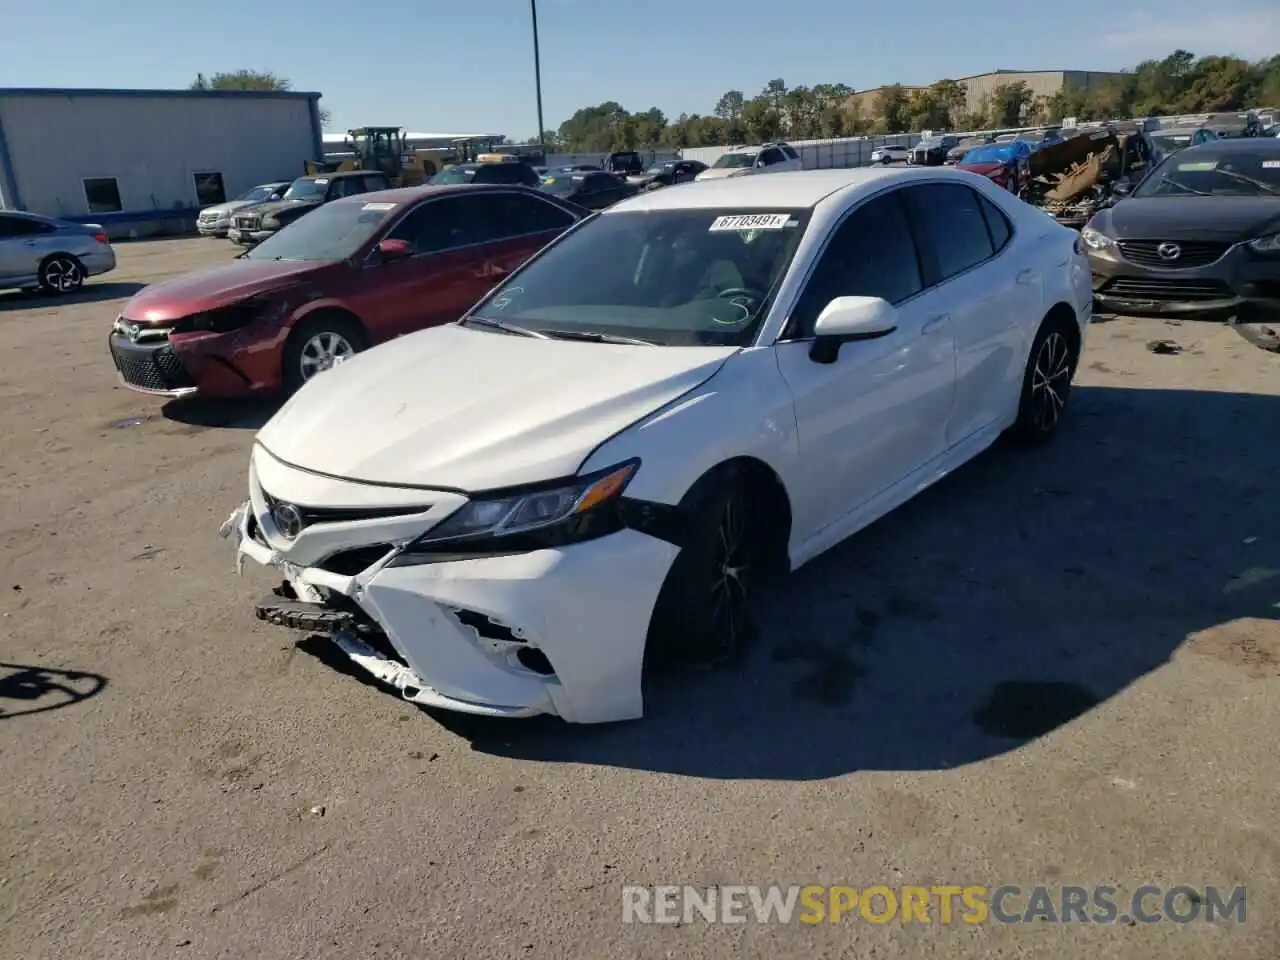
(1179,83)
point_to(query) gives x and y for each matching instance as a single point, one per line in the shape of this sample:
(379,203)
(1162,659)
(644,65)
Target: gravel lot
(1057,667)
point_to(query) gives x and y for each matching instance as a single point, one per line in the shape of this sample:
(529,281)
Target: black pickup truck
(251,225)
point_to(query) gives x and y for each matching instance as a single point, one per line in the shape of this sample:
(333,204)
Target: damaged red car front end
(217,334)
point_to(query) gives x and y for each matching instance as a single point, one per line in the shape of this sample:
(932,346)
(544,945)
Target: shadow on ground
(996,607)
(90,293)
(25,689)
(249,414)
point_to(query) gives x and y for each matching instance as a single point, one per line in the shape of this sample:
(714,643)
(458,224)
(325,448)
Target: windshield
(258,194)
(453,175)
(304,189)
(1168,144)
(333,231)
(561,185)
(1192,173)
(732,161)
(670,277)
(992,153)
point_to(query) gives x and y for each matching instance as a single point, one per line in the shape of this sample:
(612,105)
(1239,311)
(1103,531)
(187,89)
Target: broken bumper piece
(556,631)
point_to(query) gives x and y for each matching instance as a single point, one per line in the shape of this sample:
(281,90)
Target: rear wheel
(317,344)
(61,273)
(1046,385)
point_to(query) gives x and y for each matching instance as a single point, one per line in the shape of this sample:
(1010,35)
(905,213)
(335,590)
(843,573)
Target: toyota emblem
(1169,251)
(288,519)
(132,331)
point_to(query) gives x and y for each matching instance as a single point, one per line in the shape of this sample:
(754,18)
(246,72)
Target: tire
(1046,384)
(1264,336)
(61,273)
(315,343)
(703,614)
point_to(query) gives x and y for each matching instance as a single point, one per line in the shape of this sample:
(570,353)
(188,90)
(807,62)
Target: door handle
(935,324)
(1026,276)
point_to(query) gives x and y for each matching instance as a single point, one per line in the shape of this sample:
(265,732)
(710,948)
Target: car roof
(402,196)
(789,190)
(1234,145)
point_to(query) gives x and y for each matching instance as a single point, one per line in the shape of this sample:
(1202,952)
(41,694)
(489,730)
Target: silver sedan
(53,255)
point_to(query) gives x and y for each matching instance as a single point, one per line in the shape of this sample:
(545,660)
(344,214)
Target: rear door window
(950,227)
(997,224)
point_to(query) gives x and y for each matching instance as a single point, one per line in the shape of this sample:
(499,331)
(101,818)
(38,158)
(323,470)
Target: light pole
(537,78)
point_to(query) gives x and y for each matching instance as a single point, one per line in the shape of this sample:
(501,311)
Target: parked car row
(593,417)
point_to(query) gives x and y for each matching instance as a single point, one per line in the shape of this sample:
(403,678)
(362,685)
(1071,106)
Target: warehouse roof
(153,94)
(414,135)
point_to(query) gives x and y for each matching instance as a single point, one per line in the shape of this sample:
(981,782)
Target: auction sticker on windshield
(1271,164)
(378,206)
(1200,166)
(753,221)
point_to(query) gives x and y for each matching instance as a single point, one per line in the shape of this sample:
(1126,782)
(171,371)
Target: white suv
(740,161)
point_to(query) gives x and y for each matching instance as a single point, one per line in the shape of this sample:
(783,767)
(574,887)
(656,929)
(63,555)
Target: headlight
(531,519)
(231,317)
(1096,240)
(1267,244)
(271,223)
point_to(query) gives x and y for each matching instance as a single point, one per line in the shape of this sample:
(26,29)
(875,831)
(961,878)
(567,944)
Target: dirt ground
(1057,667)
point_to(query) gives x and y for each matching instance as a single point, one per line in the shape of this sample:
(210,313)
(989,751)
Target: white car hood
(719,173)
(475,410)
(231,206)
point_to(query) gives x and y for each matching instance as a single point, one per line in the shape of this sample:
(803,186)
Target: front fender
(745,410)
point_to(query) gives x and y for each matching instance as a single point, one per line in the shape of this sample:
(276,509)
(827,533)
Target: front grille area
(1161,288)
(247,223)
(152,366)
(312,515)
(348,563)
(1193,253)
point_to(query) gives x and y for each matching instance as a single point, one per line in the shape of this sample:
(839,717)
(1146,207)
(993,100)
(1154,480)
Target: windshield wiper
(592,336)
(1243,179)
(504,327)
(1182,186)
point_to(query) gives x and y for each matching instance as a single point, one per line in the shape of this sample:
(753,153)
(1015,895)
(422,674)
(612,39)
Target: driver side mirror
(847,320)
(392,250)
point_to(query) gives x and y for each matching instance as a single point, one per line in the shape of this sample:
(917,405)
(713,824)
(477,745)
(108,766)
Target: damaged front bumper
(558,632)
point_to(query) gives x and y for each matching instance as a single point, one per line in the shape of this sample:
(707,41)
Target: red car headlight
(234,316)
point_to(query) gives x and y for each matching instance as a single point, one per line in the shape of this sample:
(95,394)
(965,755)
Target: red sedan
(348,275)
(1007,164)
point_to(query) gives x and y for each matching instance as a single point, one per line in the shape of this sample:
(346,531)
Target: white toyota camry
(519,513)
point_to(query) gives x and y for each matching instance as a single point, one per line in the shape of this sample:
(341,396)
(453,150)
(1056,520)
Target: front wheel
(61,273)
(318,344)
(1261,335)
(1046,384)
(704,610)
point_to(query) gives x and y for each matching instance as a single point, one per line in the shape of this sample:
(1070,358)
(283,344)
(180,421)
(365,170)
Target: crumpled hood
(191,293)
(982,169)
(474,410)
(1228,219)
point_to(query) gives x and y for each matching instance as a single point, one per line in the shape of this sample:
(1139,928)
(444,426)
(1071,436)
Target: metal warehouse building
(142,161)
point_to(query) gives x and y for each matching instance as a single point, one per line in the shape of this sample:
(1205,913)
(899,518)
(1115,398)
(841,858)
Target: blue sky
(468,66)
